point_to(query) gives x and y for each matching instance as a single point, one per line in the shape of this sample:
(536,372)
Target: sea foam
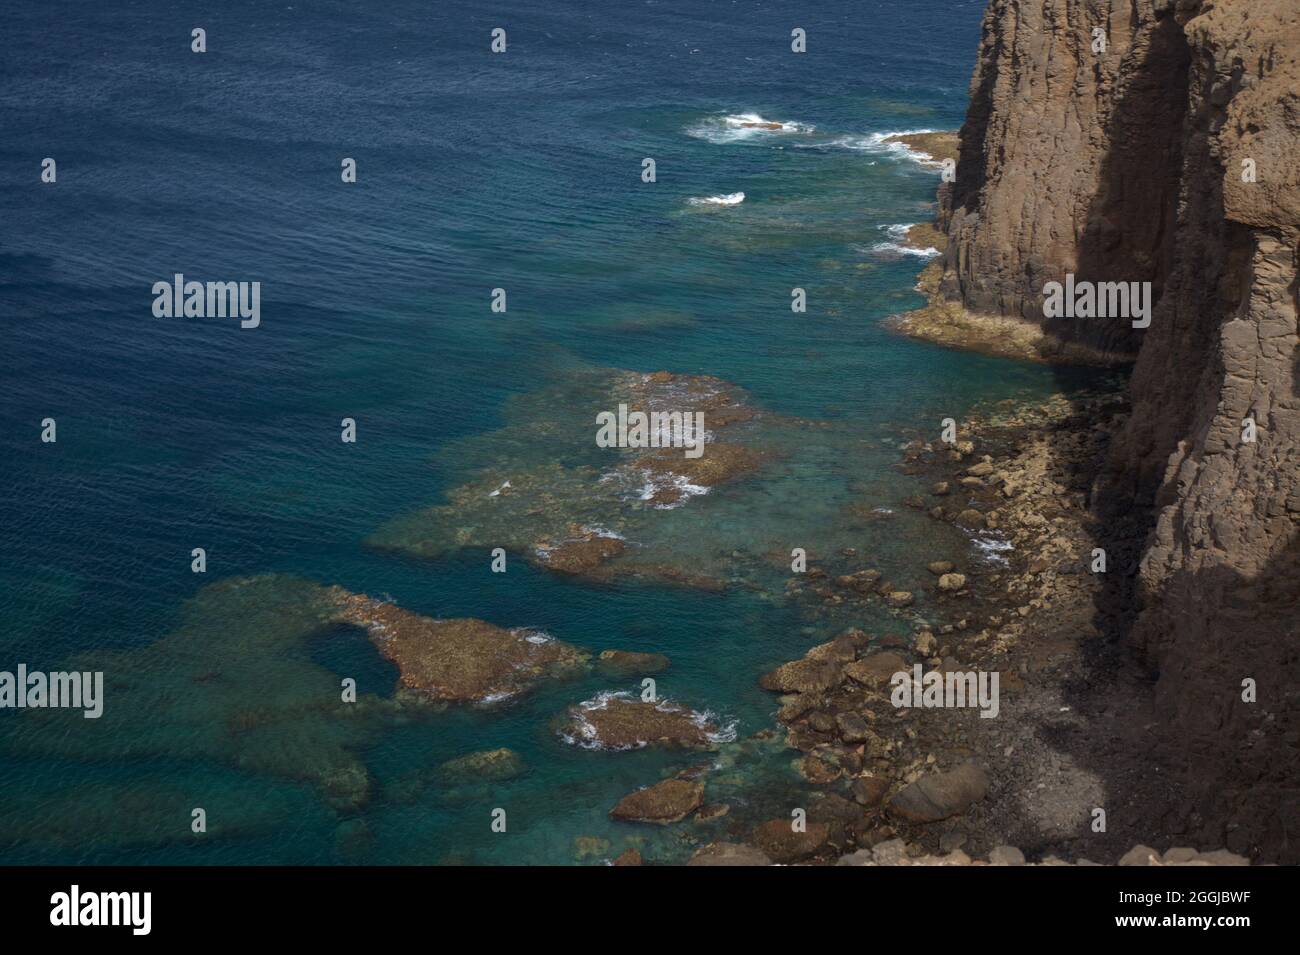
(730,199)
(743,127)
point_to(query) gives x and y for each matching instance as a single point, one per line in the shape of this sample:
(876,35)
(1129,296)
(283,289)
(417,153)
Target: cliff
(1132,165)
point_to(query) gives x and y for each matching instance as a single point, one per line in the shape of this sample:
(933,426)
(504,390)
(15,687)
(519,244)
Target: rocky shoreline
(943,786)
(1158,162)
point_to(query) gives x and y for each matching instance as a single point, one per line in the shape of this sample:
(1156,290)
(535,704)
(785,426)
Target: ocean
(476,171)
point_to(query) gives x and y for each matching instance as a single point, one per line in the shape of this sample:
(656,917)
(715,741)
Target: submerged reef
(553,496)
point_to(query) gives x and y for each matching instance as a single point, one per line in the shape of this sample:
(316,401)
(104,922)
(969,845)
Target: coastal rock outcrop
(1155,141)
(617,721)
(459,661)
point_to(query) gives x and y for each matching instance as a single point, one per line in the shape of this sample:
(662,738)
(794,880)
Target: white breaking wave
(679,482)
(896,246)
(533,635)
(741,127)
(643,484)
(730,199)
(992,549)
(587,736)
(875,143)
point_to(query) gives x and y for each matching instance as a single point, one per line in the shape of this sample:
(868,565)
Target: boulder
(1006,855)
(618,722)
(940,795)
(729,853)
(1222,857)
(952,582)
(853,728)
(669,801)
(840,650)
(1140,855)
(875,669)
(801,676)
(869,791)
(892,852)
(779,840)
(818,771)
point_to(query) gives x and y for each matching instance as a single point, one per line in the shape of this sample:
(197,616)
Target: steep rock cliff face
(1128,165)
(1069,160)
(1218,591)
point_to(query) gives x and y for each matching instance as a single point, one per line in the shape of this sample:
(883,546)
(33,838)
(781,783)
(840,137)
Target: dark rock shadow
(1183,760)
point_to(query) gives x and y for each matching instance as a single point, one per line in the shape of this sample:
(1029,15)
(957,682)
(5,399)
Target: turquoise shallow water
(476,172)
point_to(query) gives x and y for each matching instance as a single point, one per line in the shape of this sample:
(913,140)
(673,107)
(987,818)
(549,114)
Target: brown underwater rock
(717,464)
(580,554)
(628,663)
(490,765)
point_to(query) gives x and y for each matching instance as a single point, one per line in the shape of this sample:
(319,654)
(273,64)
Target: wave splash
(742,127)
(729,199)
(896,244)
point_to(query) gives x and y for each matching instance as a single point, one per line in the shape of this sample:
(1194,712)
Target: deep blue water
(475,171)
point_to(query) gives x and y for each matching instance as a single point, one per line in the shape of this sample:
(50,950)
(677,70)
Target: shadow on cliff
(1182,758)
